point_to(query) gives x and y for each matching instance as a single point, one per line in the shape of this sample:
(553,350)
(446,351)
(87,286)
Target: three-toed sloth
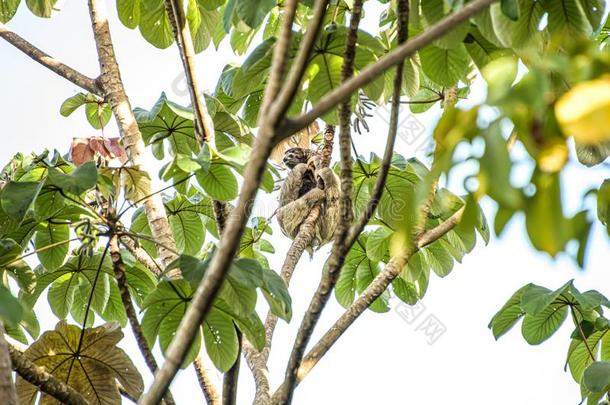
(306,186)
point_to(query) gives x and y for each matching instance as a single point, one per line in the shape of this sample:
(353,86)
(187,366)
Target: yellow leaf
(553,157)
(584,111)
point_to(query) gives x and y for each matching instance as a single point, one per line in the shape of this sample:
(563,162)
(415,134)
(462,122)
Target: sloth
(306,186)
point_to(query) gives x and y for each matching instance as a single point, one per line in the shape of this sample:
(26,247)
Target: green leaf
(10,307)
(439,259)
(98,114)
(220,339)
(597,376)
(137,183)
(253,12)
(202,23)
(510,8)
(508,315)
(536,299)
(523,32)
(378,243)
(405,290)
(80,180)
(187,227)
(16,198)
(154,24)
(545,222)
(327,79)
(41,8)
(603,204)
(537,328)
(129,12)
(48,235)
(567,18)
(445,66)
(71,104)
(219,182)
(8,8)
(276,294)
(579,353)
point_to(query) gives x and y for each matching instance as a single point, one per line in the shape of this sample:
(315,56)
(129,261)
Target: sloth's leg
(292,215)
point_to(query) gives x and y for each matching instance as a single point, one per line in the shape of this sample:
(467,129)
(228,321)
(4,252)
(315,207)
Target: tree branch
(231,377)
(208,388)
(371,72)
(132,316)
(8,395)
(203,123)
(87,83)
(142,256)
(371,293)
(114,92)
(46,382)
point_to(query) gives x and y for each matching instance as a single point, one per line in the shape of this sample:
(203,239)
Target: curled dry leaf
(84,149)
(301,139)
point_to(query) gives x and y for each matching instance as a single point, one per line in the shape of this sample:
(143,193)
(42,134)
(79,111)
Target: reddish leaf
(80,152)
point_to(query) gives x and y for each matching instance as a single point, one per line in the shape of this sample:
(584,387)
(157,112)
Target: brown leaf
(114,148)
(301,139)
(80,152)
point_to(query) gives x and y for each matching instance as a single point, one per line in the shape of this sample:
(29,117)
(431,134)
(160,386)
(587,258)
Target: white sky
(381,359)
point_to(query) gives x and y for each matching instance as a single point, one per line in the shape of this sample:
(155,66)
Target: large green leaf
(16,198)
(220,339)
(537,328)
(129,12)
(93,365)
(597,376)
(567,18)
(276,294)
(11,310)
(80,180)
(219,181)
(51,244)
(187,226)
(41,8)
(523,32)
(155,25)
(253,12)
(445,66)
(508,315)
(8,8)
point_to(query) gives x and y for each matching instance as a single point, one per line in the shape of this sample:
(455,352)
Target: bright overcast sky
(382,359)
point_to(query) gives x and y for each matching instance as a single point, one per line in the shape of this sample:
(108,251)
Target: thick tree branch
(8,394)
(46,382)
(371,72)
(132,316)
(87,83)
(371,293)
(114,92)
(204,129)
(329,277)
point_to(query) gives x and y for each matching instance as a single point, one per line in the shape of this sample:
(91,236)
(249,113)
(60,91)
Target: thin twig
(87,83)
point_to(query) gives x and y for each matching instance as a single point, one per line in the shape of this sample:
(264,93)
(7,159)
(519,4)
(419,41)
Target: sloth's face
(293,157)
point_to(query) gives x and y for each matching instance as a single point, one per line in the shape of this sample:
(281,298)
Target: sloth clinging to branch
(306,186)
